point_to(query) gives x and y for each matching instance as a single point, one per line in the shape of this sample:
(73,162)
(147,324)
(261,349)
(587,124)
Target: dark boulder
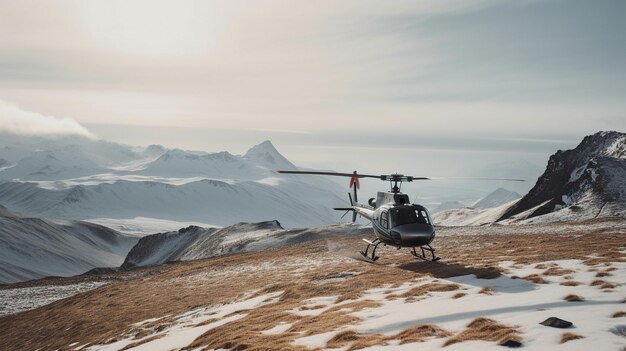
(556,323)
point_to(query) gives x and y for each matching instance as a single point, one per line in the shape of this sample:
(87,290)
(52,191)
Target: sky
(429,85)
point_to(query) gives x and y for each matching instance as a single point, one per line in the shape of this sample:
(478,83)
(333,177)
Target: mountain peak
(266,155)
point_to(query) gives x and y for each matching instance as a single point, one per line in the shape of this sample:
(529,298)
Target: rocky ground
(493,286)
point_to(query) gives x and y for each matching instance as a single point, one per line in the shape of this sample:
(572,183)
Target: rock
(556,323)
(511,343)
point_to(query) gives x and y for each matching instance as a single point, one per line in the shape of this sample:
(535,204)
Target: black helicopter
(396,221)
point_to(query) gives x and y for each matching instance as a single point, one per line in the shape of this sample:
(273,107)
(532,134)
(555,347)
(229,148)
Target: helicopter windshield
(401,216)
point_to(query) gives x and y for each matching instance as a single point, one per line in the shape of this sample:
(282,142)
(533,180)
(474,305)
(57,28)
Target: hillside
(194,243)
(315,295)
(586,182)
(32,248)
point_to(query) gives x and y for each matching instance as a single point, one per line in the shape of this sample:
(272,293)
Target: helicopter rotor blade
(344,214)
(478,178)
(396,177)
(358,175)
(353,216)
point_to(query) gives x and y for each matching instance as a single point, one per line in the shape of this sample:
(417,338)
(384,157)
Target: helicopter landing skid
(373,243)
(423,255)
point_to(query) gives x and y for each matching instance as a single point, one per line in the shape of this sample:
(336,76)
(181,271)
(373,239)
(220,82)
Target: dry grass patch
(342,339)
(603,284)
(603,274)
(355,306)
(571,283)
(420,333)
(569,337)
(356,341)
(557,271)
(431,287)
(597,282)
(487,290)
(487,330)
(619,314)
(608,285)
(368,341)
(146,340)
(535,278)
(573,298)
(459,295)
(423,290)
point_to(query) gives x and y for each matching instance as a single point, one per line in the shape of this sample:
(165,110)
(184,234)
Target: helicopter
(396,221)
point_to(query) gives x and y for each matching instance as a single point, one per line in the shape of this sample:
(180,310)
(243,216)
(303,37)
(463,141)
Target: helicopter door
(384,220)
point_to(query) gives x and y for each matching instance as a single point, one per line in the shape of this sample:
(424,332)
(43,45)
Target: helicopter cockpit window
(400,216)
(422,217)
(383,220)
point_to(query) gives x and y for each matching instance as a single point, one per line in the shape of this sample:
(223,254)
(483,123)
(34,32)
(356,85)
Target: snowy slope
(193,242)
(32,248)
(448,205)
(216,202)
(470,216)
(50,165)
(497,198)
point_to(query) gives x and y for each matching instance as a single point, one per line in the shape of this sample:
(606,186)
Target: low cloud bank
(15,120)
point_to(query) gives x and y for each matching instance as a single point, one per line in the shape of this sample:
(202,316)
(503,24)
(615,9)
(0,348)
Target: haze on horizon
(334,84)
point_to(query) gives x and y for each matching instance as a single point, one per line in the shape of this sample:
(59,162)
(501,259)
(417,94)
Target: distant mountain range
(80,178)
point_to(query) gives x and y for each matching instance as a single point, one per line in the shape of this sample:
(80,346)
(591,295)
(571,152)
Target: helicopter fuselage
(397,222)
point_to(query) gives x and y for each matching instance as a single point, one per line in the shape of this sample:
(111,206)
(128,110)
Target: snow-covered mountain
(448,205)
(586,182)
(497,198)
(80,178)
(194,242)
(49,165)
(220,165)
(32,248)
(219,203)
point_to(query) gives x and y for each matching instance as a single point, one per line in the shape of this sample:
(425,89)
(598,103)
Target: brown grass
(571,283)
(414,334)
(569,337)
(342,339)
(419,333)
(424,289)
(535,278)
(619,314)
(608,285)
(603,284)
(573,298)
(459,295)
(109,312)
(487,330)
(487,290)
(557,271)
(603,274)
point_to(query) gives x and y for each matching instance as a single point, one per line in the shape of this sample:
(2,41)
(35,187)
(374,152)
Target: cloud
(15,120)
